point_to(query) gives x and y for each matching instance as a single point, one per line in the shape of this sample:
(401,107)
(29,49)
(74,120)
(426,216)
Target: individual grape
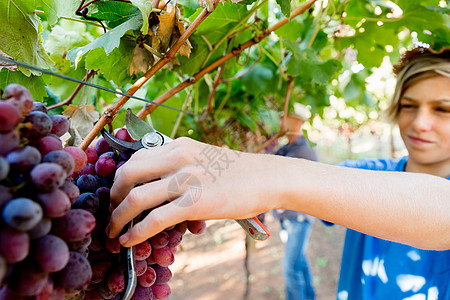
(91,155)
(105,166)
(161,291)
(148,278)
(5,194)
(81,245)
(8,141)
(87,183)
(55,204)
(163,274)
(196,227)
(39,106)
(163,256)
(76,225)
(3,268)
(4,168)
(102,146)
(92,295)
(76,275)
(22,214)
(41,229)
(100,271)
(103,194)
(48,177)
(79,157)
(116,281)
(48,144)
(110,154)
(20,96)
(88,201)
(62,158)
(143,293)
(104,291)
(71,190)
(60,125)
(10,116)
(46,292)
(51,253)
(113,245)
(28,279)
(142,250)
(181,227)
(141,267)
(89,169)
(40,125)
(175,238)
(159,240)
(123,135)
(24,158)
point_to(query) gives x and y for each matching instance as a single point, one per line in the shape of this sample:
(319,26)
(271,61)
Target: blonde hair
(414,65)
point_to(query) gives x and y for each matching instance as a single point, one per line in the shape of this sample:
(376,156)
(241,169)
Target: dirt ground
(211,266)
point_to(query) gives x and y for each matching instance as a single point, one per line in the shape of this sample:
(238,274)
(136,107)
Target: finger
(156,221)
(139,199)
(144,166)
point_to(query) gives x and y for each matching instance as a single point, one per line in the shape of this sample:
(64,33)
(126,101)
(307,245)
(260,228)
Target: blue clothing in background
(377,269)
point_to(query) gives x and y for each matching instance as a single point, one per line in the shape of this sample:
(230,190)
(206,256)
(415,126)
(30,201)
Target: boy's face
(424,122)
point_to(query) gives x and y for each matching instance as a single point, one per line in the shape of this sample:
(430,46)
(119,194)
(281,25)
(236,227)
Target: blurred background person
(296,226)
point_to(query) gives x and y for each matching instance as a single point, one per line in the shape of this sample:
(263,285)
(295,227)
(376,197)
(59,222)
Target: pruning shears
(146,138)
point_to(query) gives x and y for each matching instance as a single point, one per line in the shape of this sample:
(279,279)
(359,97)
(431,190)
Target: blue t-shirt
(376,269)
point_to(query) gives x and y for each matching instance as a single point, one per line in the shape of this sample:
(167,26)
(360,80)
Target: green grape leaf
(285,6)
(62,38)
(33,83)
(66,8)
(257,80)
(114,66)
(115,13)
(291,31)
(222,16)
(20,34)
(50,9)
(145,6)
(108,41)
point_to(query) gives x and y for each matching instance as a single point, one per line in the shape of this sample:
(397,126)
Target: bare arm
(404,207)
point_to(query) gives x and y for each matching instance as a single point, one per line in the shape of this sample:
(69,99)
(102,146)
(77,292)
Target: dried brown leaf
(82,119)
(142,60)
(165,27)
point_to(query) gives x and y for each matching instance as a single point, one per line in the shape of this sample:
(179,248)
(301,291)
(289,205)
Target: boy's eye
(406,106)
(443,109)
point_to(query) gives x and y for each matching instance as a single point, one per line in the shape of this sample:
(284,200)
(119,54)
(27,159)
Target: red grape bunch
(41,256)
(54,209)
(153,257)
